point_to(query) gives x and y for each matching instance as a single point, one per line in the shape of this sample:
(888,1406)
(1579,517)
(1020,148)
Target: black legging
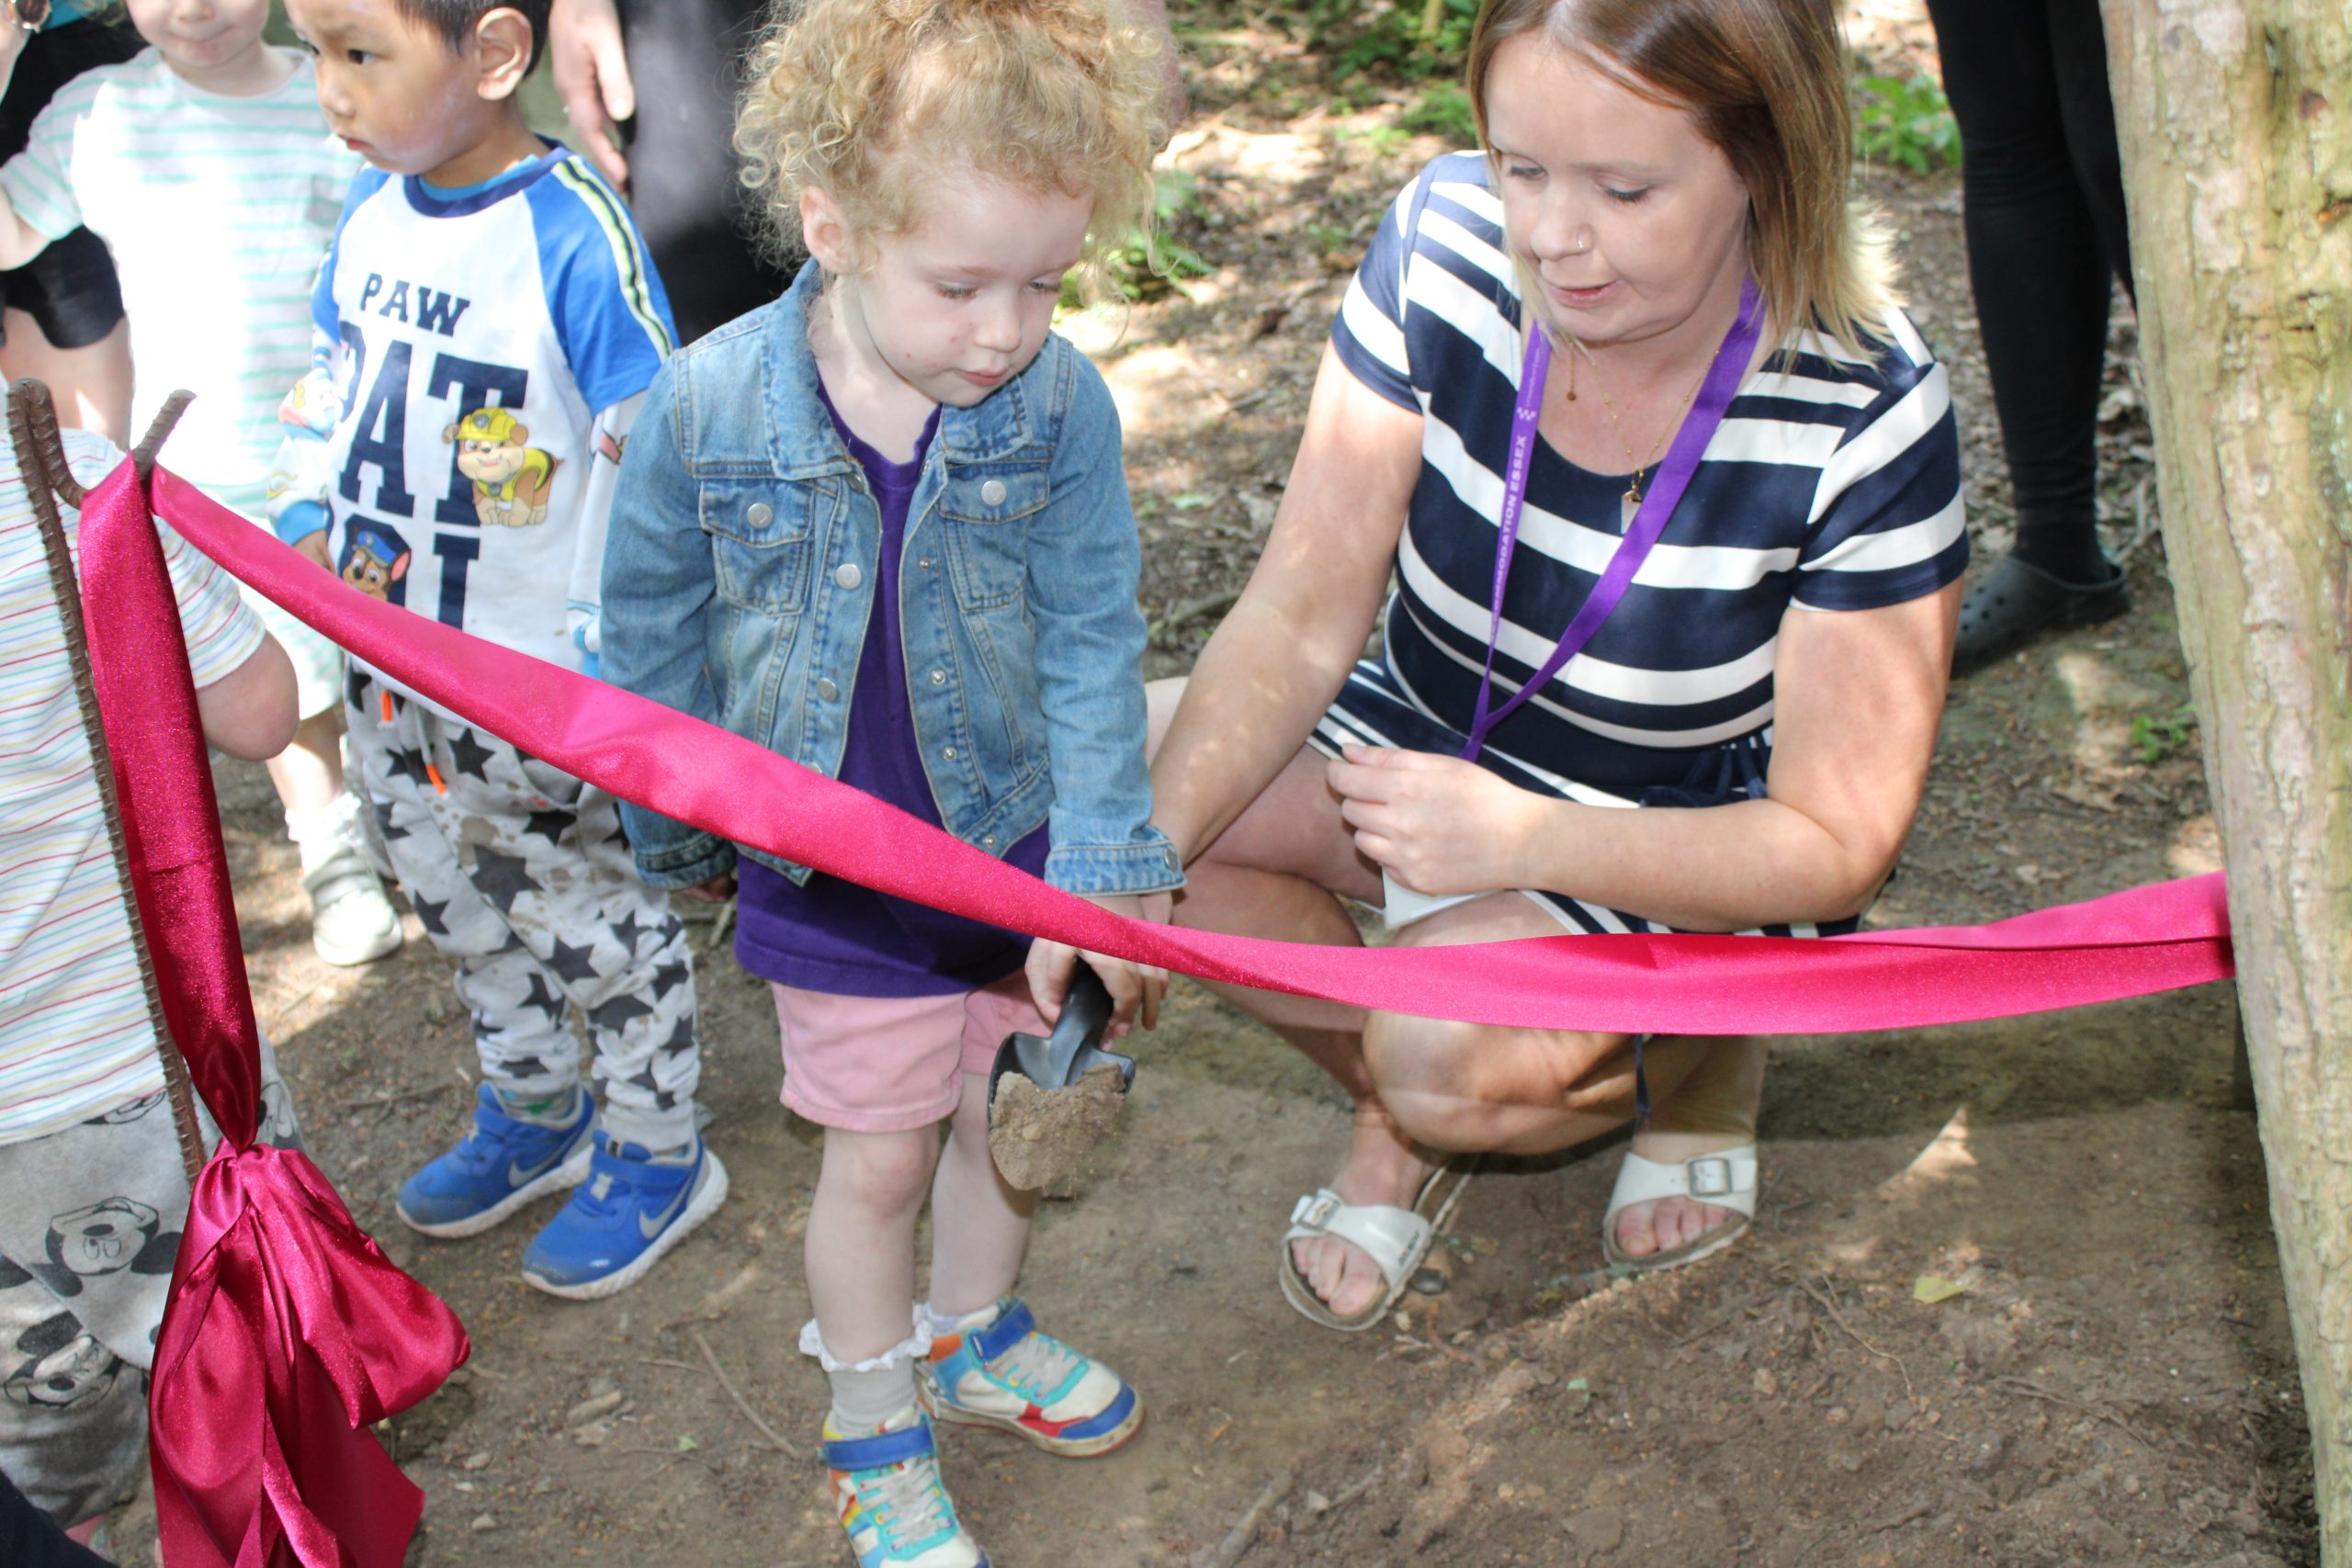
(2044,218)
(685,57)
(31,1538)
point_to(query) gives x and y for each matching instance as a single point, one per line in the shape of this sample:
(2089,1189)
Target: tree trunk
(2236,127)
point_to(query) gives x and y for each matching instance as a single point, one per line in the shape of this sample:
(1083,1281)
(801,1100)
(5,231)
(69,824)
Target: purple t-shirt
(836,936)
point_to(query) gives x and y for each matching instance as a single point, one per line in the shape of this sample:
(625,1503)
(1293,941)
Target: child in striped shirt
(206,165)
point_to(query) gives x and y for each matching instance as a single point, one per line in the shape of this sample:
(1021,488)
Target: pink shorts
(891,1063)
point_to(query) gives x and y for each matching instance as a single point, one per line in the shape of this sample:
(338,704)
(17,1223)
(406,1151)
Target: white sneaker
(350,919)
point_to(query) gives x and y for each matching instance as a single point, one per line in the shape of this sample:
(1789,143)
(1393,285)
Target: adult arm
(1286,647)
(1859,695)
(591,77)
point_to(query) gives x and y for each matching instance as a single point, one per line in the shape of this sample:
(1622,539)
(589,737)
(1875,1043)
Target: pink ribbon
(287,1330)
(2129,943)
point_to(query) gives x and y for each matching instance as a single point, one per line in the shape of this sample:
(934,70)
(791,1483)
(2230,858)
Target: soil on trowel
(1040,1136)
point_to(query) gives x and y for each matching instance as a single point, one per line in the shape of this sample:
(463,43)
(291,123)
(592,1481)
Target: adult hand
(718,890)
(591,77)
(1136,988)
(1437,824)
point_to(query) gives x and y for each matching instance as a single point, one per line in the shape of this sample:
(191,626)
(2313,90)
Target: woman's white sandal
(1724,1180)
(1395,1239)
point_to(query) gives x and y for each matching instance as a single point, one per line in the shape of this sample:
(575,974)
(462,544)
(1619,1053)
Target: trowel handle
(1086,1013)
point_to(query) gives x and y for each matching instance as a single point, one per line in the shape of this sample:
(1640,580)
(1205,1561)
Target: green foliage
(1414,40)
(1137,270)
(1444,110)
(1905,121)
(2158,738)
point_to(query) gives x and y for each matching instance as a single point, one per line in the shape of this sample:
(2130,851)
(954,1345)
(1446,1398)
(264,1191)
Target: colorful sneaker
(496,1168)
(997,1370)
(636,1206)
(886,1487)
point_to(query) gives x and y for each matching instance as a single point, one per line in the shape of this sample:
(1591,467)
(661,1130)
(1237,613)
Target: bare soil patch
(2113,1384)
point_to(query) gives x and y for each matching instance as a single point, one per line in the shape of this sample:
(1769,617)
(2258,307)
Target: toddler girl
(881,526)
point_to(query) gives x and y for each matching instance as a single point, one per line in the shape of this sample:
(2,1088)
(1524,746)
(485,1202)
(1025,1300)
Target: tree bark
(2236,120)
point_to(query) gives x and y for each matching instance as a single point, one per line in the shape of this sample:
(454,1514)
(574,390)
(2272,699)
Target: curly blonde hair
(866,98)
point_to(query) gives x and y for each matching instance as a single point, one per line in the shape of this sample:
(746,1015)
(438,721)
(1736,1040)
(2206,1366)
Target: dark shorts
(69,289)
(686,58)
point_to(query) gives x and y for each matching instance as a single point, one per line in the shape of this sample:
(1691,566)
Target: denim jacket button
(988,841)
(847,574)
(939,677)
(949,753)
(826,689)
(759,514)
(924,563)
(992,492)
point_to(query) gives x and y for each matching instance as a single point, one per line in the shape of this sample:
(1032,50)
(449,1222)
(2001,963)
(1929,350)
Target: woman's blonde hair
(868,98)
(1764,80)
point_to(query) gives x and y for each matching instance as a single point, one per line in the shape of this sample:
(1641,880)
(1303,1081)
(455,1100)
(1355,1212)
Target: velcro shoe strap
(1012,1325)
(880,1451)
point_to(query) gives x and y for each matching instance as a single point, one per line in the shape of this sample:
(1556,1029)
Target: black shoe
(2018,604)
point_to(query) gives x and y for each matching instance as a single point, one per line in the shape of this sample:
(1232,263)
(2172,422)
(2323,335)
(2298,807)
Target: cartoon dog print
(371,565)
(511,477)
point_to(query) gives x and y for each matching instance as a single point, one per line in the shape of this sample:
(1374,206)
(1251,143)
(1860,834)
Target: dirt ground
(2113,1384)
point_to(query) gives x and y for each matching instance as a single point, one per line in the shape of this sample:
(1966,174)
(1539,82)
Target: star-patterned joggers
(520,872)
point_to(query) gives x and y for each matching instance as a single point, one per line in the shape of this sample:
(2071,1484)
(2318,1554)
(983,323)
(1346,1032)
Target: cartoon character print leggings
(90,1220)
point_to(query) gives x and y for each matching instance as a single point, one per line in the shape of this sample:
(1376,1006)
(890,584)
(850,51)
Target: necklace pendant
(1634,494)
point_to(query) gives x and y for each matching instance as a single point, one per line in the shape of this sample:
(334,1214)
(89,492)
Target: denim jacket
(739,582)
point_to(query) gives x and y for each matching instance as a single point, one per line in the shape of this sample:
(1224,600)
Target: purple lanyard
(1649,519)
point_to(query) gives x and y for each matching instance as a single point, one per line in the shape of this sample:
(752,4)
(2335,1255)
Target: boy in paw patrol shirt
(486,325)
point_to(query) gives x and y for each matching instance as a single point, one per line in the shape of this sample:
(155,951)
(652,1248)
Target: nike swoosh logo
(651,1225)
(517,1173)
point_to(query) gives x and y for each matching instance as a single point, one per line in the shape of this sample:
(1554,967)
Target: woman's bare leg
(1420,1086)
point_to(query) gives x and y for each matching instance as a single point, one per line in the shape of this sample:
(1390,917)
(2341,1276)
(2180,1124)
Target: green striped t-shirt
(219,211)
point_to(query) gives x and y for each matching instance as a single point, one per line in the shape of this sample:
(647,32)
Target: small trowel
(1066,1055)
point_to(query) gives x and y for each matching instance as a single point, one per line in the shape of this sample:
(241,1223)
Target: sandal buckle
(1710,1177)
(1316,1211)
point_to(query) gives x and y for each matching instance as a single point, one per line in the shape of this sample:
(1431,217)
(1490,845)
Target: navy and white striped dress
(1834,486)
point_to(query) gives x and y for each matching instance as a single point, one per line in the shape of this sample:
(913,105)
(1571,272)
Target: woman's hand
(591,78)
(1437,824)
(1134,989)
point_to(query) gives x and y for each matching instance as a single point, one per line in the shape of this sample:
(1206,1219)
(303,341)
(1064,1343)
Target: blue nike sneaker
(636,1206)
(496,1168)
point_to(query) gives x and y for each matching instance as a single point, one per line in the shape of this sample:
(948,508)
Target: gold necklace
(1634,487)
